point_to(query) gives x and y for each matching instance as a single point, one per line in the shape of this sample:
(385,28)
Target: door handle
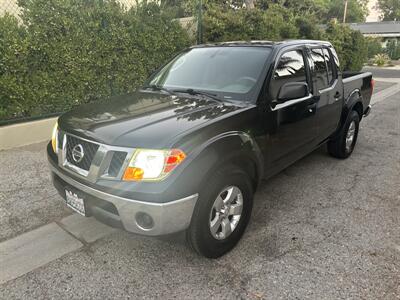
(337,96)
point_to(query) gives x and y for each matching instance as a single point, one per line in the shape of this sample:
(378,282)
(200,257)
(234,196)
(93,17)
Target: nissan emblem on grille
(77,153)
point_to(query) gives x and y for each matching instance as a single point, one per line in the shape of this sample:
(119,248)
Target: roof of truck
(262,43)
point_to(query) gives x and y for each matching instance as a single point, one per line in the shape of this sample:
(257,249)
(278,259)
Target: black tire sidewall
(199,234)
(353,117)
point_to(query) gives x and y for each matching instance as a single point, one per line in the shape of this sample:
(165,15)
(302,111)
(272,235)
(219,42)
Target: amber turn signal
(132,173)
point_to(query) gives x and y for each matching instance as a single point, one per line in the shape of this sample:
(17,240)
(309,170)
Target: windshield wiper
(155,87)
(197,92)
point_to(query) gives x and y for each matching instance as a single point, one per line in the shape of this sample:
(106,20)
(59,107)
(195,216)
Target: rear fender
(355,98)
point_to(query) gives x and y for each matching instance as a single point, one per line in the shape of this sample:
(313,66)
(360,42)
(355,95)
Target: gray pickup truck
(186,152)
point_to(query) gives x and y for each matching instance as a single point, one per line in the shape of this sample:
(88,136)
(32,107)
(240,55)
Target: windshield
(231,72)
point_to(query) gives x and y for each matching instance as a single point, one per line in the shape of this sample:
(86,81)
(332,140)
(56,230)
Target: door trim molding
(291,102)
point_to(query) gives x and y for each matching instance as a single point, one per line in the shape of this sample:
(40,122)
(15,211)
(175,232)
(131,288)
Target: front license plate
(73,201)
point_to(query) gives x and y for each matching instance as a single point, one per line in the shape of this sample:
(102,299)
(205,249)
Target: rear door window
(330,66)
(320,73)
(335,59)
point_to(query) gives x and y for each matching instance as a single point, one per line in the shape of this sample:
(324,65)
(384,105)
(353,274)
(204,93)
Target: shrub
(381,59)
(242,24)
(69,52)
(349,44)
(374,47)
(393,49)
(279,23)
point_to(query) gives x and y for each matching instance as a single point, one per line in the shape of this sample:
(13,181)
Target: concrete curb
(22,134)
(36,248)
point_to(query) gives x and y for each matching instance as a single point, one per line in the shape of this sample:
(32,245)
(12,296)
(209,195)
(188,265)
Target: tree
(390,10)
(356,10)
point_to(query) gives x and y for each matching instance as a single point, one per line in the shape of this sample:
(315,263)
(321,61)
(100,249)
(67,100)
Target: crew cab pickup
(186,152)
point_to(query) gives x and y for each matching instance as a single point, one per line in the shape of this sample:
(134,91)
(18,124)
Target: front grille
(116,163)
(89,151)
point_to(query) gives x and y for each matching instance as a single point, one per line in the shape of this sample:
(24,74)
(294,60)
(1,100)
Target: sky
(373,13)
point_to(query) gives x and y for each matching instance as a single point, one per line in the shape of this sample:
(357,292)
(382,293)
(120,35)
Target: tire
(225,182)
(342,146)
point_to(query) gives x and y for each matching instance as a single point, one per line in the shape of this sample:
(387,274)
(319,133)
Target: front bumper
(122,212)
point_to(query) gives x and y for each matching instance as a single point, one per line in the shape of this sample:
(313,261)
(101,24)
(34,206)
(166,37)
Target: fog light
(144,221)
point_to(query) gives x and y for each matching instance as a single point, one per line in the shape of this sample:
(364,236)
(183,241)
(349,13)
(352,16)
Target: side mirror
(293,90)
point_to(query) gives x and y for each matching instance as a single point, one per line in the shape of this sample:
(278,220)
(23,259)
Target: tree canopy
(322,10)
(390,10)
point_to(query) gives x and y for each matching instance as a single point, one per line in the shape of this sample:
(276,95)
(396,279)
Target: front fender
(234,147)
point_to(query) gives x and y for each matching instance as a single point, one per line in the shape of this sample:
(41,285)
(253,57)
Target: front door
(291,127)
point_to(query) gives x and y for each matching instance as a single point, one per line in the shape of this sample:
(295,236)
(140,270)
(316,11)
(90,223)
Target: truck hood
(142,119)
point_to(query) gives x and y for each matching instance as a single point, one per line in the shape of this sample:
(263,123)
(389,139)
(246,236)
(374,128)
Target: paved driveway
(322,229)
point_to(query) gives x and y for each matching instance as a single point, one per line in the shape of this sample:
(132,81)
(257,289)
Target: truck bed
(358,82)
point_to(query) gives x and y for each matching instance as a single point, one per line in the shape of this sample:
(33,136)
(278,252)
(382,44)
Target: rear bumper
(116,211)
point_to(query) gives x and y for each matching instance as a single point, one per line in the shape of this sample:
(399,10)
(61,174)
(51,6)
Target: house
(386,30)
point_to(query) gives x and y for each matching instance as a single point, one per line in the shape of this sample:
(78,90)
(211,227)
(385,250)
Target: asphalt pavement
(383,72)
(322,229)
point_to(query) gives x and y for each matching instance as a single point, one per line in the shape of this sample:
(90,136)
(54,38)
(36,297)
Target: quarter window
(289,69)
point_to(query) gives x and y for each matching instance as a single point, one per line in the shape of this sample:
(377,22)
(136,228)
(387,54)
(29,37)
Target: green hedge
(67,52)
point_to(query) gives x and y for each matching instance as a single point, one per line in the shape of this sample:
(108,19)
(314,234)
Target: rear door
(327,88)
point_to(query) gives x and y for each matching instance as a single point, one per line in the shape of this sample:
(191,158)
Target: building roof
(377,28)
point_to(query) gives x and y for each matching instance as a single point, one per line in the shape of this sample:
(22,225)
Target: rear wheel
(221,213)
(343,145)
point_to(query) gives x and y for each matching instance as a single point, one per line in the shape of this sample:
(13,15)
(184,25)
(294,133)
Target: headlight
(147,164)
(54,138)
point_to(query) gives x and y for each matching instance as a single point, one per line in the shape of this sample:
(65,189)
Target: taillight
(372,85)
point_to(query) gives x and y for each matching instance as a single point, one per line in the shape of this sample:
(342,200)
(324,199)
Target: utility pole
(200,22)
(345,11)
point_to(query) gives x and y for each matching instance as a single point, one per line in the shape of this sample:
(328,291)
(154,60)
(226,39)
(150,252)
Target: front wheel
(222,213)
(343,145)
